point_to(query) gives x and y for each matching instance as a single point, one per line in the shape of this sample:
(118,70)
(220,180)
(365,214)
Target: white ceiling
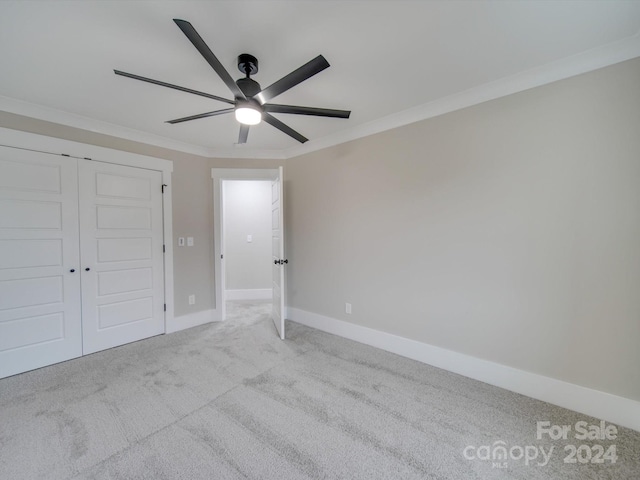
(392,62)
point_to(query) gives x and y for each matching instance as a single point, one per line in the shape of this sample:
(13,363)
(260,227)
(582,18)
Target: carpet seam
(137,442)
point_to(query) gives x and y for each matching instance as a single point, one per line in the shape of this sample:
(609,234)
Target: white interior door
(279,262)
(121,247)
(39,260)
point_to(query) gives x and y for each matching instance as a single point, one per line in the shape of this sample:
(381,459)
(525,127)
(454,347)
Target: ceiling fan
(250,103)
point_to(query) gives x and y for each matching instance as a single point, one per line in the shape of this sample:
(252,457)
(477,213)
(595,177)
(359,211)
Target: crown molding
(49,114)
(599,57)
(60,117)
(584,62)
(247,152)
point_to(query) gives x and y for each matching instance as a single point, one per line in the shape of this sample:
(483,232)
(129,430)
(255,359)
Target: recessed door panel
(29,176)
(29,253)
(30,214)
(123,249)
(128,218)
(22,333)
(39,246)
(120,313)
(123,281)
(122,186)
(29,292)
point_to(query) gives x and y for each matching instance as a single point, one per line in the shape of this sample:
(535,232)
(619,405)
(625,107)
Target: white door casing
(40,321)
(219,175)
(277,229)
(121,253)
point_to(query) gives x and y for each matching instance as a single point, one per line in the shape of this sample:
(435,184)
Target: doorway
(247,230)
(246,246)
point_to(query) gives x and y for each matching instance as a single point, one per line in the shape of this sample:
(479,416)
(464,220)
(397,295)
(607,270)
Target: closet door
(122,254)
(39,261)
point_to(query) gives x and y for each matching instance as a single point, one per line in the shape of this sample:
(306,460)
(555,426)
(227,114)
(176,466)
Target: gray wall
(192,203)
(247,211)
(509,231)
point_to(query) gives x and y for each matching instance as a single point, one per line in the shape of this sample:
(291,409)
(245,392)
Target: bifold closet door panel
(39,260)
(122,255)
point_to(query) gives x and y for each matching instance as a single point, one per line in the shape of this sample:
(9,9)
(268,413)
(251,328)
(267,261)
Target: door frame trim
(218,175)
(59,146)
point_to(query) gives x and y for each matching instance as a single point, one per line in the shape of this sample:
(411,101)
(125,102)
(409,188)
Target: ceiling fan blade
(244,134)
(169,85)
(201,115)
(274,122)
(299,75)
(296,110)
(208,55)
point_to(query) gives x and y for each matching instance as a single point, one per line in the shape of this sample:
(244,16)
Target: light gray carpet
(232,401)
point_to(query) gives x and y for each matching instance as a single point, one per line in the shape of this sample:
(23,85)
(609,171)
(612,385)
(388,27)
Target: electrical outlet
(192,299)
(347,308)
(189,241)
(249,238)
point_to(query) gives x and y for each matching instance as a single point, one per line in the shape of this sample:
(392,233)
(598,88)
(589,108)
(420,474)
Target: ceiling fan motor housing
(248,86)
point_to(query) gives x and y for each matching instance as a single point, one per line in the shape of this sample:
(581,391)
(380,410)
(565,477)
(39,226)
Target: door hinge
(165,307)
(164,249)
(221,257)
(164,185)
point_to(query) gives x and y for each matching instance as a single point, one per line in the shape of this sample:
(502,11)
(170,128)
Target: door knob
(284,261)
(87,269)
(276,262)
(72,270)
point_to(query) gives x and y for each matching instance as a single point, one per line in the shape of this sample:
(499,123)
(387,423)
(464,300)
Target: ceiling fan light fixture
(248,114)
(250,101)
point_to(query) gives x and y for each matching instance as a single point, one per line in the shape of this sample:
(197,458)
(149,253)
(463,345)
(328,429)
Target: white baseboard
(192,320)
(249,294)
(619,410)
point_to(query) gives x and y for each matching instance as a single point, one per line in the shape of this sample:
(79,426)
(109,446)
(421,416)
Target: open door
(279,261)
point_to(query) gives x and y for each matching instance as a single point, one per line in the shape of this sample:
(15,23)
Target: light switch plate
(249,238)
(181,241)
